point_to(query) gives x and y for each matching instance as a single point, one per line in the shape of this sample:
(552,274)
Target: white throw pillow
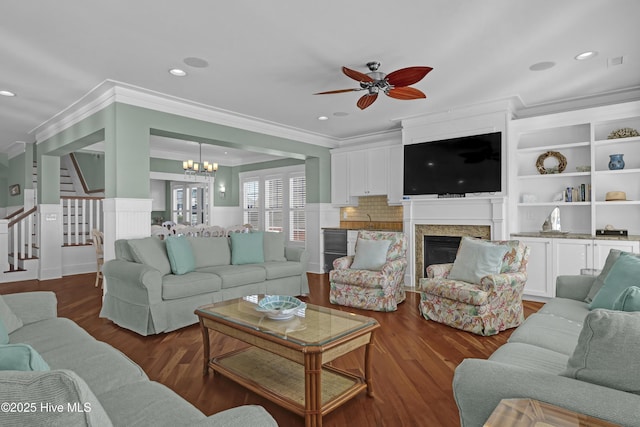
(370,254)
(476,259)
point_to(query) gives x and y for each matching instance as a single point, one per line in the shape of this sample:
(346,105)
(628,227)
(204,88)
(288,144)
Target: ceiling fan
(395,84)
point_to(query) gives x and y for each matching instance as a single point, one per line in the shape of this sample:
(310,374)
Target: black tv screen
(470,164)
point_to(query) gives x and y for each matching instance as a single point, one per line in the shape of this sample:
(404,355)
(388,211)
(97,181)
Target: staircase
(19,236)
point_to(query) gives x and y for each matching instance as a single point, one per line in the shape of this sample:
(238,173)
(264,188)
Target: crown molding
(111,91)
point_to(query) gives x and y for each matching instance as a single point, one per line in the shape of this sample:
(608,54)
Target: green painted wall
(91,167)
(16,174)
(4,183)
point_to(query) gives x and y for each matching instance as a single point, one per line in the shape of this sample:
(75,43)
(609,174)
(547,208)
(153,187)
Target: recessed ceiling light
(7,93)
(323,118)
(586,55)
(544,65)
(177,72)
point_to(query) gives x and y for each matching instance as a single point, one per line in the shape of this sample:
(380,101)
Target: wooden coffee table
(287,360)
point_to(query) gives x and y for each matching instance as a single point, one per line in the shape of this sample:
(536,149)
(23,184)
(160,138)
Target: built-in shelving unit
(582,138)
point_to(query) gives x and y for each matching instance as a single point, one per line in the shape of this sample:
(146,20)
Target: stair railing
(82,214)
(20,230)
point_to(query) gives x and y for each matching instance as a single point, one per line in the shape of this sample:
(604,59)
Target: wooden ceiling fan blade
(357,75)
(337,91)
(366,100)
(407,76)
(406,93)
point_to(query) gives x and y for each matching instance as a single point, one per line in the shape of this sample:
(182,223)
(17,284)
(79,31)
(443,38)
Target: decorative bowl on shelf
(280,307)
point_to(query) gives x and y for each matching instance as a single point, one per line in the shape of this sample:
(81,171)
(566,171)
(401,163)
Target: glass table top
(310,325)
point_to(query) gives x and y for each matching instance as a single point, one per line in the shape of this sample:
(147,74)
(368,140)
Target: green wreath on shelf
(623,133)
(562,163)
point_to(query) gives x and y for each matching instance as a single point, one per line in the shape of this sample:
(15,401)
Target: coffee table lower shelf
(284,382)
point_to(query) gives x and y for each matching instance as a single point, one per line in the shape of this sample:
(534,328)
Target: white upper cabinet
(368,172)
(340,179)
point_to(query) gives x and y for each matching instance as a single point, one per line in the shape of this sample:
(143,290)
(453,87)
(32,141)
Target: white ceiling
(267,58)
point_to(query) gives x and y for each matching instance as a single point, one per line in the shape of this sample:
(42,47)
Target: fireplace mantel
(468,212)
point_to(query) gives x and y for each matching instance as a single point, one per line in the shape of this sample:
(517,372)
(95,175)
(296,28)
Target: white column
(318,215)
(50,228)
(125,219)
(4,245)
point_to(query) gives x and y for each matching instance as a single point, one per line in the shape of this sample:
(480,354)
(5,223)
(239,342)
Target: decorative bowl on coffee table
(280,307)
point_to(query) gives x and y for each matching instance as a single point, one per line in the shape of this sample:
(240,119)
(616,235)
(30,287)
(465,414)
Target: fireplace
(448,237)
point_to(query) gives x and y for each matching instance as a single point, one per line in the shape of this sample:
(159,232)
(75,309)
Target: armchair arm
(343,262)
(479,385)
(134,282)
(574,287)
(32,307)
(439,271)
(497,282)
(394,267)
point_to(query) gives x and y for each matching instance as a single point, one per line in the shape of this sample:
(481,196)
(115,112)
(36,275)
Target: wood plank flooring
(413,361)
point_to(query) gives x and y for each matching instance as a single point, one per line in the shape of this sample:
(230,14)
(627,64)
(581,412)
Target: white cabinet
(540,281)
(581,139)
(395,181)
(368,172)
(553,257)
(340,179)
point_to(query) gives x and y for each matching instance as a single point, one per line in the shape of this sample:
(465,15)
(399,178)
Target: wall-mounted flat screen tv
(470,164)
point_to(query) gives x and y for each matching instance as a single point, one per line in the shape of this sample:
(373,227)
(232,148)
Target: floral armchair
(486,308)
(371,289)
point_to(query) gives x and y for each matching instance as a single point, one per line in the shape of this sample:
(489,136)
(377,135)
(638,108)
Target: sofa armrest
(574,287)
(294,253)
(479,385)
(32,307)
(242,416)
(133,282)
(439,271)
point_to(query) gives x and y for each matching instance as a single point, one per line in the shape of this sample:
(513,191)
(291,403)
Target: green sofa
(533,364)
(143,295)
(89,383)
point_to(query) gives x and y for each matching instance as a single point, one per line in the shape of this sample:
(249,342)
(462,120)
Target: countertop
(573,236)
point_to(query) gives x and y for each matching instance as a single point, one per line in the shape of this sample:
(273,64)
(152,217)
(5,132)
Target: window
(189,203)
(274,200)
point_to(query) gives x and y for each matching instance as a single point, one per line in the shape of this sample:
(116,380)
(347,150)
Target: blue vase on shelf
(616,162)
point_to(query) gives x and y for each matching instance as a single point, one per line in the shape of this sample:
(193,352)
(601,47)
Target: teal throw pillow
(247,248)
(4,335)
(274,246)
(370,254)
(624,273)
(180,255)
(607,351)
(477,259)
(21,357)
(629,300)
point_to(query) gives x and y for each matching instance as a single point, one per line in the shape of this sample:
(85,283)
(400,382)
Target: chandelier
(199,168)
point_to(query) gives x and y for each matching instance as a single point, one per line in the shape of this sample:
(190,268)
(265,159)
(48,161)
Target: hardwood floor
(413,361)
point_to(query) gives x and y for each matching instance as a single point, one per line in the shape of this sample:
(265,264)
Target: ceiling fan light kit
(395,84)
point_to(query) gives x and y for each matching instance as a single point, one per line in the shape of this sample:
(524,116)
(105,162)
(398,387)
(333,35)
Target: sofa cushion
(55,388)
(593,360)
(238,275)
(551,332)
(624,273)
(186,285)
(210,251)
(277,270)
(476,259)
(530,357)
(180,255)
(273,246)
(10,320)
(247,248)
(370,254)
(21,357)
(569,309)
(629,300)
(50,334)
(360,278)
(123,250)
(151,251)
(4,335)
(513,257)
(455,290)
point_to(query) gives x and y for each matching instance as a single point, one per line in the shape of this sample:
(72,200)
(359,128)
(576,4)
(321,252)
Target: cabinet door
(571,256)
(377,171)
(340,179)
(358,173)
(601,249)
(540,282)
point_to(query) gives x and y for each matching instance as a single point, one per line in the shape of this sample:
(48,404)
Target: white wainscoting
(319,215)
